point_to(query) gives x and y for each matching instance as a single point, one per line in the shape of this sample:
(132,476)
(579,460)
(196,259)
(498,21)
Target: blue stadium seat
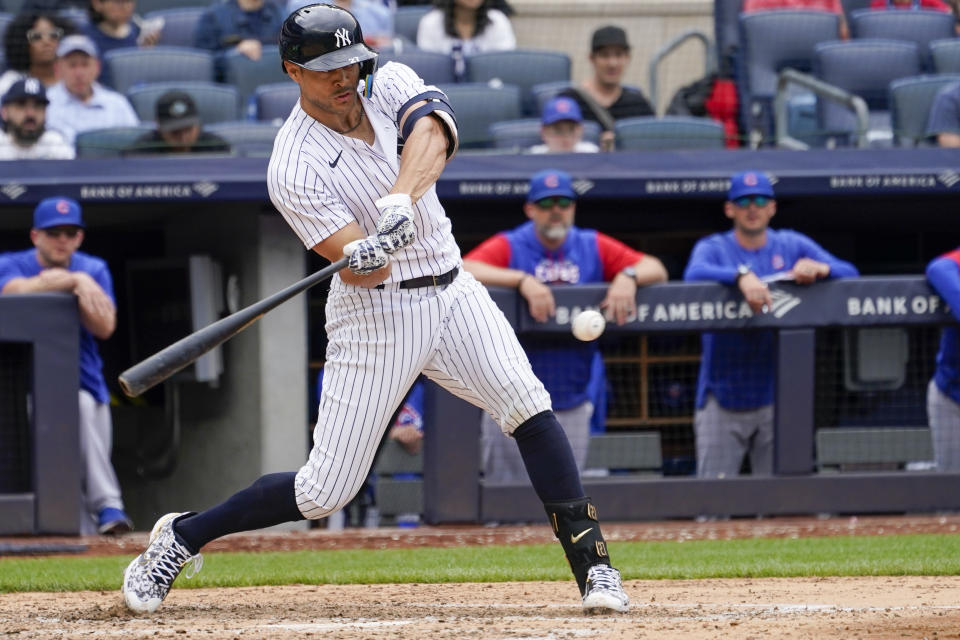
(215,102)
(274,101)
(946,55)
(110,142)
(79,17)
(434,68)
(246,74)
(146,6)
(920,27)
(544,91)
(910,102)
(650,133)
(179,25)
(407,19)
(518,135)
(771,41)
(247,138)
(128,68)
(477,106)
(865,68)
(849,6)
(522,68)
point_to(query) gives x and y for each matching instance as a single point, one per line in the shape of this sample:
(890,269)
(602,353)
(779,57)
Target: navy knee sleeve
(548,458)
(269,501)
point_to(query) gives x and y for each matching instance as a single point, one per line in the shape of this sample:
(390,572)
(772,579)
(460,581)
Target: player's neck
(354,124)
(749,239)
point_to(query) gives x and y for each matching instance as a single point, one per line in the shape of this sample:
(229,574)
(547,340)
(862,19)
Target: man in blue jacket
(943,392)
(734,414)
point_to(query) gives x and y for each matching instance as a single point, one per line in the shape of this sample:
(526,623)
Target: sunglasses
(744,202)
(550,203)
(35,36)
(56,232)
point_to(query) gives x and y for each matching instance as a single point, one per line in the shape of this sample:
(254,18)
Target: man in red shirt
(833,6)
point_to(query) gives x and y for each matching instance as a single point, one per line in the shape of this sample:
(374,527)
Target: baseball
(588,325)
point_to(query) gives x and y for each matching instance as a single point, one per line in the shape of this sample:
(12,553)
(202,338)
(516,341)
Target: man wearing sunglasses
(55,264)
(734,414)
(549,250)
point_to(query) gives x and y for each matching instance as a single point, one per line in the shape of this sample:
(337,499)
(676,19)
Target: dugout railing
(453,486)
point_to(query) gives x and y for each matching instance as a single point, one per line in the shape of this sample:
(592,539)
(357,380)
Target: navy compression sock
(548,458)
(268,501)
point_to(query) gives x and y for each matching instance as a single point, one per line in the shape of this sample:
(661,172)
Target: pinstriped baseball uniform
(379,340)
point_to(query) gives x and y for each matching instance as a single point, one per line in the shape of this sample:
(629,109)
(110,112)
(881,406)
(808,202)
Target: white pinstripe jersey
(321,180)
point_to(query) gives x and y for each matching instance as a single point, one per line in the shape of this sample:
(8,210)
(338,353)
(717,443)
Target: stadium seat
(865,68)
(247,138)
(215,102)
(910,102)
(544,91)
(919,27)
(146,6)
(519,135)
(79,17)
(521,68)
(113,141)
(407,19)
(274,101)
(946,55)
(178,25)
(246,74)
(849,6)
(771,41)
(434,68)
(130,67)
(651,133)
(5,19)
(477,106)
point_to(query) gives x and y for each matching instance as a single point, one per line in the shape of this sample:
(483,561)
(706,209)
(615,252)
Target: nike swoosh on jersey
(576,538)
(336,160)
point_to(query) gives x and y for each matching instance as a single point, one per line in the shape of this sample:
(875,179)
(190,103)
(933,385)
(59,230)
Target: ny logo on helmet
(343,37)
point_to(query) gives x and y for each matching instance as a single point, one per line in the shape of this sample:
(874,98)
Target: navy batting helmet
(322,37)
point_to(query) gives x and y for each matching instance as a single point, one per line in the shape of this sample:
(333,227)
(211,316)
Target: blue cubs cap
(749,183)
(56,212)
(550,182)
(561,108)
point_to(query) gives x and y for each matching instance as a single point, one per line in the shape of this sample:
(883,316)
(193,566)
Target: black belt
(428,281)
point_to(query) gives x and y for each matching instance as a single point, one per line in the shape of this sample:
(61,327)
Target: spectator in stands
(56,264)
(734,404)
(179,129)
(375,18)
(78,102)
(464,27)
(30,47)
(944,121)
(23,110)
(561,128)
(550,250)
(112,26)
(832,6)
(52,6)
(241,26)
(602,97)
(943,392)
(929,5)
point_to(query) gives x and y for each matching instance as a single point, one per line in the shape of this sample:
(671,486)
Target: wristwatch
(630,272)
(742,270)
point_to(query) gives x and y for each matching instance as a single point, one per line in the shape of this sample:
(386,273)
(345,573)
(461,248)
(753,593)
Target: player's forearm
(650,270)
(494,276)
(423,159)
(100,322)
(332,250)
(46,280)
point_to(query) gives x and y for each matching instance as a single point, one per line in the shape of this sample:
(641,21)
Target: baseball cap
(176,110)
(609,36)
(561,108)
(26,88)
(749,183)
(57,211)
(77,42)
(550,182)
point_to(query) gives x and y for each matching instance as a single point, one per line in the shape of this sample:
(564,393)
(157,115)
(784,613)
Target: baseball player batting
(403,306)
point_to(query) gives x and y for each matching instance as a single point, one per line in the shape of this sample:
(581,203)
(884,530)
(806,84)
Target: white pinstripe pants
(379,340)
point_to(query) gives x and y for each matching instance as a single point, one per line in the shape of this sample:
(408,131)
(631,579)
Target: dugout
(888,211)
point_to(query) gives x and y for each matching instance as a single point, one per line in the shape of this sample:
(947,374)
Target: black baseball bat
(166,362)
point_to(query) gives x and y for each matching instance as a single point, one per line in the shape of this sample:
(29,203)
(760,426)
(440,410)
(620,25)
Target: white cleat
(604,590)
(148,578)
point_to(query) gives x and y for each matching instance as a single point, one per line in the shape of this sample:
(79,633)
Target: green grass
(866,556)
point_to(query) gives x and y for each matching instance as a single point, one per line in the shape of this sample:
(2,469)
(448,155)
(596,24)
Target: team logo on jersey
(777,261)
(548,270)
(343,37)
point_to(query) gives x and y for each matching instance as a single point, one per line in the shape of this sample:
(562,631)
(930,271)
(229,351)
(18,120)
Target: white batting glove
(366,255)
(395,227)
